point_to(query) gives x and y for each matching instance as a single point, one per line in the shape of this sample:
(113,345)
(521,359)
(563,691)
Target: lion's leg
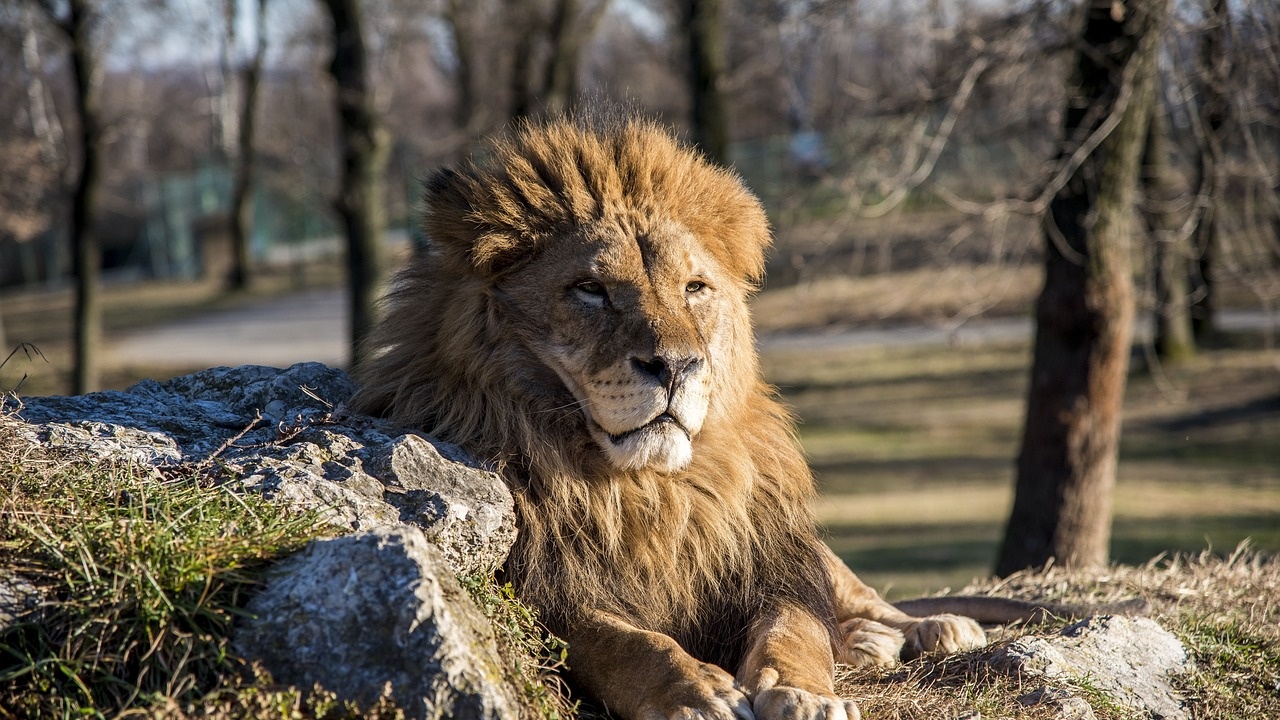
(869,626)
(788,671)
(643,675)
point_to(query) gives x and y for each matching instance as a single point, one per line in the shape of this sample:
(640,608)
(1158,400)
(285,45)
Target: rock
(356,612)
(1065,705)
(287,434)
(18,600)
(1130,659)
(459,513)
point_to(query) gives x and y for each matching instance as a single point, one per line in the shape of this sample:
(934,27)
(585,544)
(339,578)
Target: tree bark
(1214,114)
(1084,316)
(705,76)
(86,253)
(567,35)
(463,46)
(524,21)
(241,206)
(364,154)
(1174,340)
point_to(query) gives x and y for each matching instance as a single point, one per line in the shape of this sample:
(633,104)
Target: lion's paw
(942,633)
(709,693)
(866,643)
(788,703)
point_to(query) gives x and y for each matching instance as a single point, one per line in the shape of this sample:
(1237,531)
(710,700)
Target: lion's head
(610,269)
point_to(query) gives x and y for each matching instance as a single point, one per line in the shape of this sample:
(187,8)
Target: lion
(579,321)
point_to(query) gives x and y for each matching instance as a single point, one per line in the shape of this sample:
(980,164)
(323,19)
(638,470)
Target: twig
(257,419)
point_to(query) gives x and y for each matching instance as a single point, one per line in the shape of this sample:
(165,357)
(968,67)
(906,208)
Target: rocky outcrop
(354,613)
(287,433)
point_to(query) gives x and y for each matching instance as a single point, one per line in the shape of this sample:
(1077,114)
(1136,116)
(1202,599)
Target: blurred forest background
(161,158)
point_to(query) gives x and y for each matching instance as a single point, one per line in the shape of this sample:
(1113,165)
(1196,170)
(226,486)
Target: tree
(1213,75)
(703,22)
(241,208)
(1084,315)
(555,35)
(76,20)
(1170,258)
(363,143)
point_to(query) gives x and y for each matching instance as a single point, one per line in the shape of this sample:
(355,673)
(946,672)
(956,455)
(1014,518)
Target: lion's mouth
(662,420)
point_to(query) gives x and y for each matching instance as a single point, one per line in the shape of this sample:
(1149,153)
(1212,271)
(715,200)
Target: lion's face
(632,319)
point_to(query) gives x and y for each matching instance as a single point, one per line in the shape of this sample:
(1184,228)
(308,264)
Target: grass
(913,448)
(142,576)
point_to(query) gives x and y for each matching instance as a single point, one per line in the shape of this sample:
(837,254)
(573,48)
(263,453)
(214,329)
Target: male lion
(580,321)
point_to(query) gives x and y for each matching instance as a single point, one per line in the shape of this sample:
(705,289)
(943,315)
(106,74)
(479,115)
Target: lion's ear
(468,220)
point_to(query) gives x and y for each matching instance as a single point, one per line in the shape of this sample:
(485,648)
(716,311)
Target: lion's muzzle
(645,411)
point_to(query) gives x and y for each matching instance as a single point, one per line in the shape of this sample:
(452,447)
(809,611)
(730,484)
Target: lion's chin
(660,446)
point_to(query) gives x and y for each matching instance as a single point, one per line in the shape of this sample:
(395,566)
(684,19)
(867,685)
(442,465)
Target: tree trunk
(86,254)
(558,75)
(1214,110)
(1084,316)
(364,154)
(462,29)
(705,77)
(524,22)
(241,205)
(1174,339)
(567,36)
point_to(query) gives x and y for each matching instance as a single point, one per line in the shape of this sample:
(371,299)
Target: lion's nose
(668,371)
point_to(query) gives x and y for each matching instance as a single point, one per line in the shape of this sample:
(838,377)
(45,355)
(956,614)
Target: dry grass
(1225,610)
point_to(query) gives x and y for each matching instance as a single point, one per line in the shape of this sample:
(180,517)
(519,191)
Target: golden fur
(579,322)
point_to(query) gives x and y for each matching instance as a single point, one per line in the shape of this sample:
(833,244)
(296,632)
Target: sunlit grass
(914,451)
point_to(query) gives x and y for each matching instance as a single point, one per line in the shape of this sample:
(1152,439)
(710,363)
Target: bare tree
(547,52)
(241,208)
(77,21)
(703,21)
(1084,316)
(1214,72)
(457,17)
(1170,255)
(364,145)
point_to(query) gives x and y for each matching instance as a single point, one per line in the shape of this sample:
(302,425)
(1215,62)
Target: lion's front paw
(866,643)
(708,693)
(942,633)
(789,703)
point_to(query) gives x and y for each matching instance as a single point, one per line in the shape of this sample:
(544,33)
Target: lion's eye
(695,286)
(591,287)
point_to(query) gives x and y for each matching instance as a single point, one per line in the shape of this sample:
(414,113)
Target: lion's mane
(692,554)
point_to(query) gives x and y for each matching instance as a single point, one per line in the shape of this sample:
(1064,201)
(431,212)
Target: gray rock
(287,434)
(1130,659)
(357,612)
(1065,705)
(462,511)
(18,600)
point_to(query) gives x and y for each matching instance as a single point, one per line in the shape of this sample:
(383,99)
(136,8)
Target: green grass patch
(141,575)
(537,656)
